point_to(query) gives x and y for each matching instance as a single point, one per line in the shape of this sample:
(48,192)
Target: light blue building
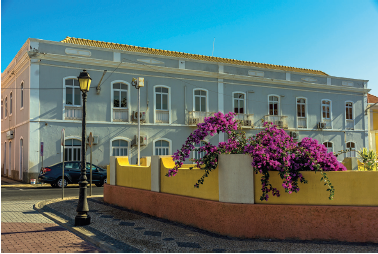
(40,96)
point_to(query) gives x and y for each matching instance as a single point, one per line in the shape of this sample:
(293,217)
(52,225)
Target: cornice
(6,81)
(187,72)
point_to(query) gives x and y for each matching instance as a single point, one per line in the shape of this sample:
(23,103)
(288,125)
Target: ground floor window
(351,149)
(329,147)
(161,147)
(72,150)
(119,147)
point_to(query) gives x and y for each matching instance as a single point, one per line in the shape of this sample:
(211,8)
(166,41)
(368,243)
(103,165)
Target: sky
(338,37)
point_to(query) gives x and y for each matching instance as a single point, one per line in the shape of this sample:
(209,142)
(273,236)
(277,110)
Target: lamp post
(82,218)
(138,83)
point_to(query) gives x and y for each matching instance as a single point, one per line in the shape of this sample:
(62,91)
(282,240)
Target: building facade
(40,96)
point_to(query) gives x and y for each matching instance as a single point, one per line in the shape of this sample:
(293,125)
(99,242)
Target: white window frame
(353,117)
(10,103)
(245,101)
(327,147)
(278,104)
(67,138)
(169,104)
(349,152)
(207,99)
(112,97)
(22,95)
(306,111)
(330,111)
(198,146)
(163,139)
(120,138)
(64,97)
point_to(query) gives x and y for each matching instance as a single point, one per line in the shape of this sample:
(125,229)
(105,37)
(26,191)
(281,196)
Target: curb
(83,231)
(33,186)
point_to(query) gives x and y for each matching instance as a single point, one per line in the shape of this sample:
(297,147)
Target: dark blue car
(72,171)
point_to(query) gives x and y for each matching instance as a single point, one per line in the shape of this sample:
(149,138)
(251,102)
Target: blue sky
(339,37)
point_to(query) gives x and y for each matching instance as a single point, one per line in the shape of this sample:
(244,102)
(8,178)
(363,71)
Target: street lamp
(82,218)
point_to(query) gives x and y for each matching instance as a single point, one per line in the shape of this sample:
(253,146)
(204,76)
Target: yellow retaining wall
(132,175)
(354,188)
(183,182)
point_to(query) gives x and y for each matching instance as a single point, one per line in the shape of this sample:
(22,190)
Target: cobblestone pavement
(128,231)
(24,229)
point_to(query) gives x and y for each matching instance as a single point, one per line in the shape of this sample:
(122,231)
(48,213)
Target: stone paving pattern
(24,229)
(129,231)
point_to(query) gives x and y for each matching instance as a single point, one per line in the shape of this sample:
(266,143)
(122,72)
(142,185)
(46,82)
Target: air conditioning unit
(321,125)
(95,140)
(247,123)
(142,116)
(294,134)
(143,140)
(193,121)
(279,124)
(10,134)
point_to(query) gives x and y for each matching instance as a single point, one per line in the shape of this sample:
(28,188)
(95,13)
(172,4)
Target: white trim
(169,104)
(61,147)
(220,96)
(331,143)
(5,107)
(355,148)
(199,145)
(2,109)
(353,115)
(10,103)
(245,101)
(22,89)
(296,111)
(112,97)
(120,138)
(164,139)
(279,102)
(64,96)
(330,111)
(207,98)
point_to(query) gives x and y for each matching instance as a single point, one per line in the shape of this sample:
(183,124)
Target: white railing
(280,121)
(162,116)
(350,124)
(73,112)
(302,122)
(120,115)
(195,117)
(244,119)
(328,123)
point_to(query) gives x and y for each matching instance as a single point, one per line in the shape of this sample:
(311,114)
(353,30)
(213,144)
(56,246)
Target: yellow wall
(357,188)
(183,182)
(132,176)
(375,121)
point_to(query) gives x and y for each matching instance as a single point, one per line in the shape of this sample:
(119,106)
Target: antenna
(212,54)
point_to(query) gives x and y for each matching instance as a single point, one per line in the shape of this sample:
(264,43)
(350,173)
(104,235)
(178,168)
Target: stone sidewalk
(23,229)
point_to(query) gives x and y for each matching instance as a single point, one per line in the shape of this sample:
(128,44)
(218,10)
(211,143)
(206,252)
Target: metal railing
(302,122)
(195,117)
(74,113)
(280,121)
(120,115)
(245,120)
(162,116)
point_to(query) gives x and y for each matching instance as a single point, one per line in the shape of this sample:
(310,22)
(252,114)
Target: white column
(34,135)
(366,122)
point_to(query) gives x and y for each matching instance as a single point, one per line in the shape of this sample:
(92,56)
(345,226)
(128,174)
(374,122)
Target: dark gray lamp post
(82,218)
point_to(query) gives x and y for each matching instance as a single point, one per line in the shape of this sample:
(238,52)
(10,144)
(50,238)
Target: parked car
(72,172)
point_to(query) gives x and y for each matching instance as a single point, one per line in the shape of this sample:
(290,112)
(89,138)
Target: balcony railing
(350,124)
(245,120)
(328,123)
(195,117)
(73,113)
(302,122)
(120,115)
(162,116)
(280,121)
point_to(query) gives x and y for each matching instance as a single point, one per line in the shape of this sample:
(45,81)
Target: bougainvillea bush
(272,150)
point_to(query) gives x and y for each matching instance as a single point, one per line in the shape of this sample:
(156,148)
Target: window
(73,94)
(10,103)
(301,113)
(2,109)
(119,147)
(326,109)
(329,147)
(239,103)
(72,150)
(197,154)
(5,158)
(273,105)
(119,95)
(162,147)
(349,120)
(6,107)
(22,94)
(21,155)
(351,149)
(162,105)
(200,103)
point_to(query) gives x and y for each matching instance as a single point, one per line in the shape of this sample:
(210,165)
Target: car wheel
(59,183)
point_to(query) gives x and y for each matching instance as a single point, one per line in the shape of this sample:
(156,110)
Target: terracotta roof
(372,99)
(110,45)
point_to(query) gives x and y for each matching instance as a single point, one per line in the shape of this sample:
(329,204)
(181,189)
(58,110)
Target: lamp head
(84,80)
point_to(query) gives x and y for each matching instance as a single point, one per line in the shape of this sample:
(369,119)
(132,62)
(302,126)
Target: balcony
(196,117)
(302,122)
(350,124)
(162,116)
(120,115)
(280,121)
(245,120)
(73,113)
(328,123)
